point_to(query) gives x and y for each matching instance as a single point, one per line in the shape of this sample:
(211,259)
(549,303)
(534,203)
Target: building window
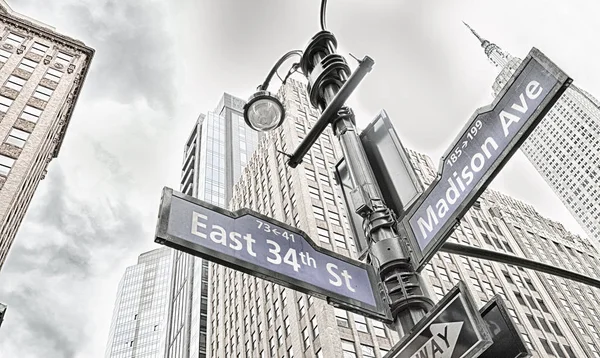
(17,137)
(569,351)
(53,75)
(367,351)
(314,326)
(288,330)
(5,164)
(4,55)
(340,240)
(348,349)
(272,346)
(556,329)
(27,65)
(301,306)
(279,336)
(63,58)
(319,213)
(39,49)
(378,328)
(306,338)
(532,322)
(361,323)
(5,103)
(43,93)
(341,317)
(546,346)
(30,114)
(438,291)
(15,40)
(323,235)
(15,83)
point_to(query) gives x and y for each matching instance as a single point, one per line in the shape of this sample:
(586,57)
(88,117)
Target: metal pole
(479,253)
(403,288)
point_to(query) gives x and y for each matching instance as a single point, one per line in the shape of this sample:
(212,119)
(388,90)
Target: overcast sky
(159,64)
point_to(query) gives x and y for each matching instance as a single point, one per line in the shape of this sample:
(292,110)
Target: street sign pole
(264,247)
(330,82)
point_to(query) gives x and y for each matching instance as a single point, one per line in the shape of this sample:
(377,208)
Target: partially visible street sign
(392,168)
(486,143)
(261,246)
(507,340)
(452,329)
(356,221)
(391,164)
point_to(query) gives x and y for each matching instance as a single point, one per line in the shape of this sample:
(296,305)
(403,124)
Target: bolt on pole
(403,287)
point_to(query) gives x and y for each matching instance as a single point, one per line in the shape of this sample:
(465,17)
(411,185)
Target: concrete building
(137,328)
(565,147)
(255,318)
(215,154)
(41,73)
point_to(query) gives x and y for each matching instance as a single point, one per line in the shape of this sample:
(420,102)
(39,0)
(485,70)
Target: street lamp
(330,83)
(263,111)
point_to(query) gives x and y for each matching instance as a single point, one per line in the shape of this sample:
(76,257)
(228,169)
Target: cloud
(55,264)
(134,57)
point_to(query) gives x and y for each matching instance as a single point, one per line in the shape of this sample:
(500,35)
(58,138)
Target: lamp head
(263,111)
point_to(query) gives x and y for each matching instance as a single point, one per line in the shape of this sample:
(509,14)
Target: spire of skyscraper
(495,54)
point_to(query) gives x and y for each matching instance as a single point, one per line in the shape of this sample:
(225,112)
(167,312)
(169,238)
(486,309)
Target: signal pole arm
(490,255)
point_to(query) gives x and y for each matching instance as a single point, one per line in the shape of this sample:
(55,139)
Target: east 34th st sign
(261,246)
(483,147)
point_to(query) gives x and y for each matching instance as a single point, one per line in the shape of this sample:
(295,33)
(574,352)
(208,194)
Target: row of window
(38,48)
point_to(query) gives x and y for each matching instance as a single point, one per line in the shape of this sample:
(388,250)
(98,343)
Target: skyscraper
(41,72)
(255,318)
(138,325)
(565,146)
(215,154)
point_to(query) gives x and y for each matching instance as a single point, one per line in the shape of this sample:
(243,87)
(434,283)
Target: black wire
(323,10)
(276,66)
(292,70)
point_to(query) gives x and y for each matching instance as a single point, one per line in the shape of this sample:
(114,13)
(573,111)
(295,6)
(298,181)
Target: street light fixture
(263,111)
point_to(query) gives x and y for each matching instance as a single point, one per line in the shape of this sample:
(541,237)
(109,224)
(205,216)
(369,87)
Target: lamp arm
(289,54)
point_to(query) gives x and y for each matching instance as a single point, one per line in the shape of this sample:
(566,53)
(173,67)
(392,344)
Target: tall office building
(215,154)
(565,147)
(41,72)
(138,324)
(255,318)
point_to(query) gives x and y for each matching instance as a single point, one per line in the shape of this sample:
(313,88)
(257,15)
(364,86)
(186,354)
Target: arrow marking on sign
(443,342)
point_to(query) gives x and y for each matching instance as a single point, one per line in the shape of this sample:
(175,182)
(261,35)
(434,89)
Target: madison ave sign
(488,140)
(261,246)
